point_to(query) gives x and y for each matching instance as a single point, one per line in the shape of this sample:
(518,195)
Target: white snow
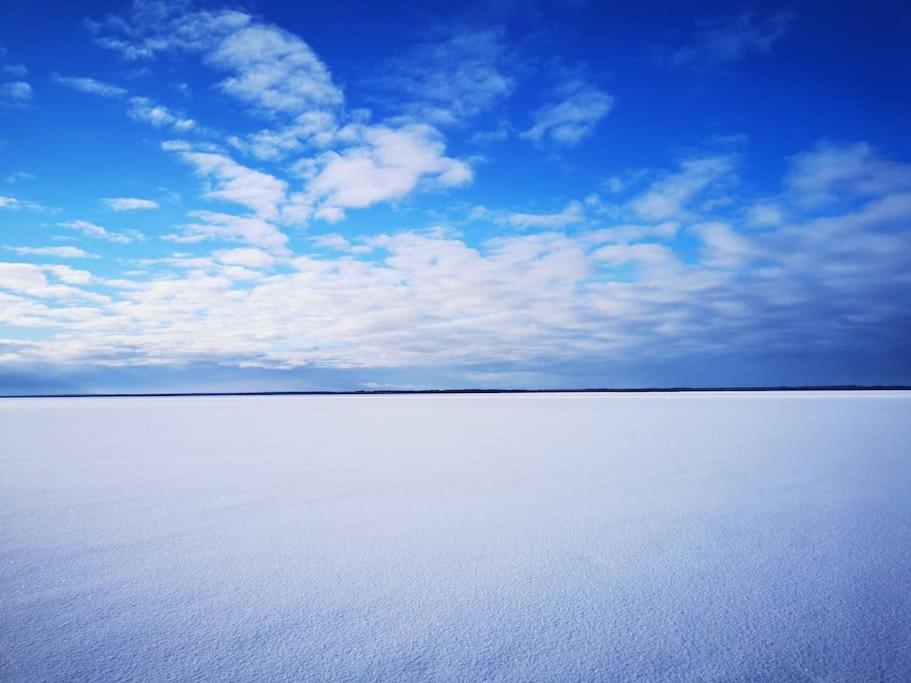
(459,538)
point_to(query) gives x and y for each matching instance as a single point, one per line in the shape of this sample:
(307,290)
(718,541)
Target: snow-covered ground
(504,537)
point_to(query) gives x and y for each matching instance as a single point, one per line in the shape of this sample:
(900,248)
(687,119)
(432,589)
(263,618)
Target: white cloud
(129,203)
(384,164)
(153,27)
(70,276)
(89,85)
(647,255)
(21,277)
(624,181)
(16,204)
(379,164)
(670,196)
(211,225)
(765,214)
(97,232)
(274,70)
(723,246)
(573,213)
(626,233)
(572,118)
(16,92)
(270,69)
(31,280)
(331,241)
(625,291)
(249,258)
(56,252)
(148,111)
(330,214)
(830,172)
(313,127)
(233,182)
(350,162)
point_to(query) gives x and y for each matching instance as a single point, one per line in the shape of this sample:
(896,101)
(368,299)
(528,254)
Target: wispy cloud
(452,78)
(314,128)
(7,202)
(55,252)
(154,27)
(571,214)
(829,173)
(129,203)
(349,162)
(572,117)
(233,182)
(97,232)
(89,85)
(731,38)
(670,195)
(210,225)
(157,115)
(18,176)
(273,70)
(14,70)
(15,92)
(268,68)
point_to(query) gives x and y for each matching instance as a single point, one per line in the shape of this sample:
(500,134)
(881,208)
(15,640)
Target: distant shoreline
(400,392)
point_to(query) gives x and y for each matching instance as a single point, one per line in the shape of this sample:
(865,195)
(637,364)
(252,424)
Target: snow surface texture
(509,537)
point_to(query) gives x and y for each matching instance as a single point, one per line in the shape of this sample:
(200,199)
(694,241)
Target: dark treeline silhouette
(396,392)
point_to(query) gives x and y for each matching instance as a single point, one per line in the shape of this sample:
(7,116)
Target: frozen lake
(458,538)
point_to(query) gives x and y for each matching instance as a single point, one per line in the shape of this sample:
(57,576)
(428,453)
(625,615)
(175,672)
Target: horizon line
(394,392)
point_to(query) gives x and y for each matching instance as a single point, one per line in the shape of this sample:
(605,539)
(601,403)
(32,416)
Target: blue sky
(357,195)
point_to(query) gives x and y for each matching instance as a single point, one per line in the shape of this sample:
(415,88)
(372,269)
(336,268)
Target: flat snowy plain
(561,537)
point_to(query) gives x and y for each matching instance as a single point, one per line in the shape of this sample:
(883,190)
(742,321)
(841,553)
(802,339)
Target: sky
(500,194)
